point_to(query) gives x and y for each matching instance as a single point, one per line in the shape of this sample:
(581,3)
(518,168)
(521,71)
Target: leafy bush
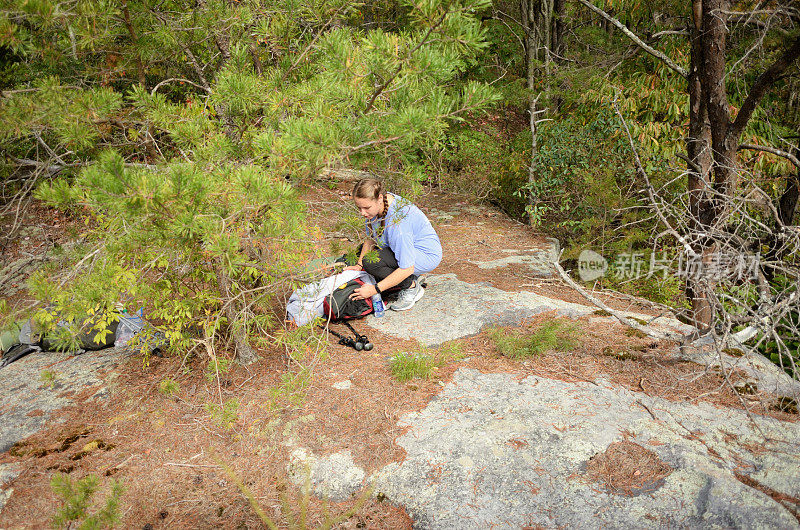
(191,244)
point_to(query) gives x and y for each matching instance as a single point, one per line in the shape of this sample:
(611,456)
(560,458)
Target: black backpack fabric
(49,341)
(338,306)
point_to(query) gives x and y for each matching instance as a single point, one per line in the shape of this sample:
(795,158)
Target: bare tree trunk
(787,205)
(557,37)
(126,17)
(710,116)
(712,79)
(698,150)
(244,352)
(532,167)
(712,145)
(541,23)
(537,18)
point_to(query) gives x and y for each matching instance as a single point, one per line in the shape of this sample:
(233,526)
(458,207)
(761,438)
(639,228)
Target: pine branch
(311,44)
(391,78)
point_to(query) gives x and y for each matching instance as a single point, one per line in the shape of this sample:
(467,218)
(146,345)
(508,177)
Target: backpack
(50,340)
(338,306)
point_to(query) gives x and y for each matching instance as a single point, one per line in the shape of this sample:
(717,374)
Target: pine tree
(179,145)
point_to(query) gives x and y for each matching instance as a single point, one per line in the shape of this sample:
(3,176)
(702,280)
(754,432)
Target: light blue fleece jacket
(409,235)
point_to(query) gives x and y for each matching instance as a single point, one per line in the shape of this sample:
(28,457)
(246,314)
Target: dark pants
(386,264)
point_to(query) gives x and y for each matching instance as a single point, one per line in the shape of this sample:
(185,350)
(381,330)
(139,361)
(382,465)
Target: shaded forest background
(181,131)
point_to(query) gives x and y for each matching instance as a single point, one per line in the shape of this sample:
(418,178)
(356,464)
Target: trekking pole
(360,343)
(367,345)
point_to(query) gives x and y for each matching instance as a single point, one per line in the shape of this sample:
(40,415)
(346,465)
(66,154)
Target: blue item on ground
(129,326)
(377,305)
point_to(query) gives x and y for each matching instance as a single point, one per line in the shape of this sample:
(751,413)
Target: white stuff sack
(305,304)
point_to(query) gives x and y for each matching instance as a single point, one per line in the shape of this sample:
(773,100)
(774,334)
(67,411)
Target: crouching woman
(406,242)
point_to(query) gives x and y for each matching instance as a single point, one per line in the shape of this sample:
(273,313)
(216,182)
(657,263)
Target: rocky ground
(620,431)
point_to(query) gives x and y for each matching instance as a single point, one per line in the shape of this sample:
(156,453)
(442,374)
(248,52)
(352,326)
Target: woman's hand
(365,291)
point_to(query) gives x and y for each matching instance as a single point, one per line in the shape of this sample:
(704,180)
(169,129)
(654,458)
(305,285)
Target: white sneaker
(408,297)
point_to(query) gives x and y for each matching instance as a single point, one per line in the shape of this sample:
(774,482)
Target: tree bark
(712,79)
(710,118)
(538,28)
(126,16)
(244,352)
(537,18)
(557,36)
(787,205)
(698,153)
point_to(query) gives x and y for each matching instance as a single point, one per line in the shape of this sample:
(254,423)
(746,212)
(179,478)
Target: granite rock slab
(30,400)
(335,477)
(452,309)
(497,451)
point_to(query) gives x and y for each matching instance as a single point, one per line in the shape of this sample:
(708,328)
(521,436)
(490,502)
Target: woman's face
(369,208)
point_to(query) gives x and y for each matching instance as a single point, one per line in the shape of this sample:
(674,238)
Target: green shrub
(784,350)
(552,335)
(48,378)
(169,387)
(77,497)
(224,415)
(292,389)
(217,366)
(409,365)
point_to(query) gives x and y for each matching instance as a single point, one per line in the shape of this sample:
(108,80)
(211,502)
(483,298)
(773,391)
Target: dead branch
(773,150)
(374,142)
(52,169)
(675,337)
(639,42)
(650,190)
(171,79)
(682,31)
